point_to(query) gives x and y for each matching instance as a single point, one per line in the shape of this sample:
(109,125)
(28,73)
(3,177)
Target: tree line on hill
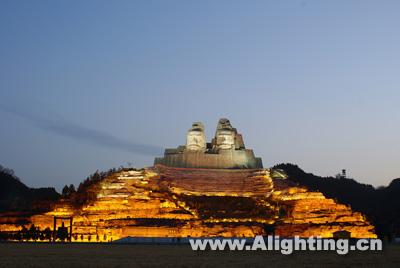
(87,190)
(381,205)
(16,196)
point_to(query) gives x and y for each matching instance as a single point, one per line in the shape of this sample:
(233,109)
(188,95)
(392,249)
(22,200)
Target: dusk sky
(87,85)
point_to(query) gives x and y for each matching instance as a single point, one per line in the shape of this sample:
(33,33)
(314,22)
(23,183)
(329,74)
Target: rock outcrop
(167,202)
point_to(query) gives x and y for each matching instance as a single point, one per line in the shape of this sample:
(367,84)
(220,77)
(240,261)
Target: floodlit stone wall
(225,159)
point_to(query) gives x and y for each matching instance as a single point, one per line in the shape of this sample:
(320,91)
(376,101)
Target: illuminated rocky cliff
(155,203)
(231,196)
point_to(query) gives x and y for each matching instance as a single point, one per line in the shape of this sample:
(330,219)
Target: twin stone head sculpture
(226,137)
(226,150)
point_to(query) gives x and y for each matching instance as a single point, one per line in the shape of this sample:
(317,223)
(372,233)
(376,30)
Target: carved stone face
(195,141)
(225,139)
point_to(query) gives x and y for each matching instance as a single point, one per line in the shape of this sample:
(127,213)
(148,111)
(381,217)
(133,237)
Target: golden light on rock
(189,201)
(124,206)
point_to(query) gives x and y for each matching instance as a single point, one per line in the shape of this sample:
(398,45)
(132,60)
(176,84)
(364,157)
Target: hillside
(381,206)
(131,197)
(16,196)
(165,201)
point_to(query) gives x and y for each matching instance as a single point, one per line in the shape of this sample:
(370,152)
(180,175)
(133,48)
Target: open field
(120,255)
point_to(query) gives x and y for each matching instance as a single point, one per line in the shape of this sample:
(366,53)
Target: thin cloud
(62,127)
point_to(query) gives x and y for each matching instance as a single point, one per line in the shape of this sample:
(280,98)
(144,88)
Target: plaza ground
(128,255)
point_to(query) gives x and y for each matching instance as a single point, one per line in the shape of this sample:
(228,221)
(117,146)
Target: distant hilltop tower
(226,150)
(342,175)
